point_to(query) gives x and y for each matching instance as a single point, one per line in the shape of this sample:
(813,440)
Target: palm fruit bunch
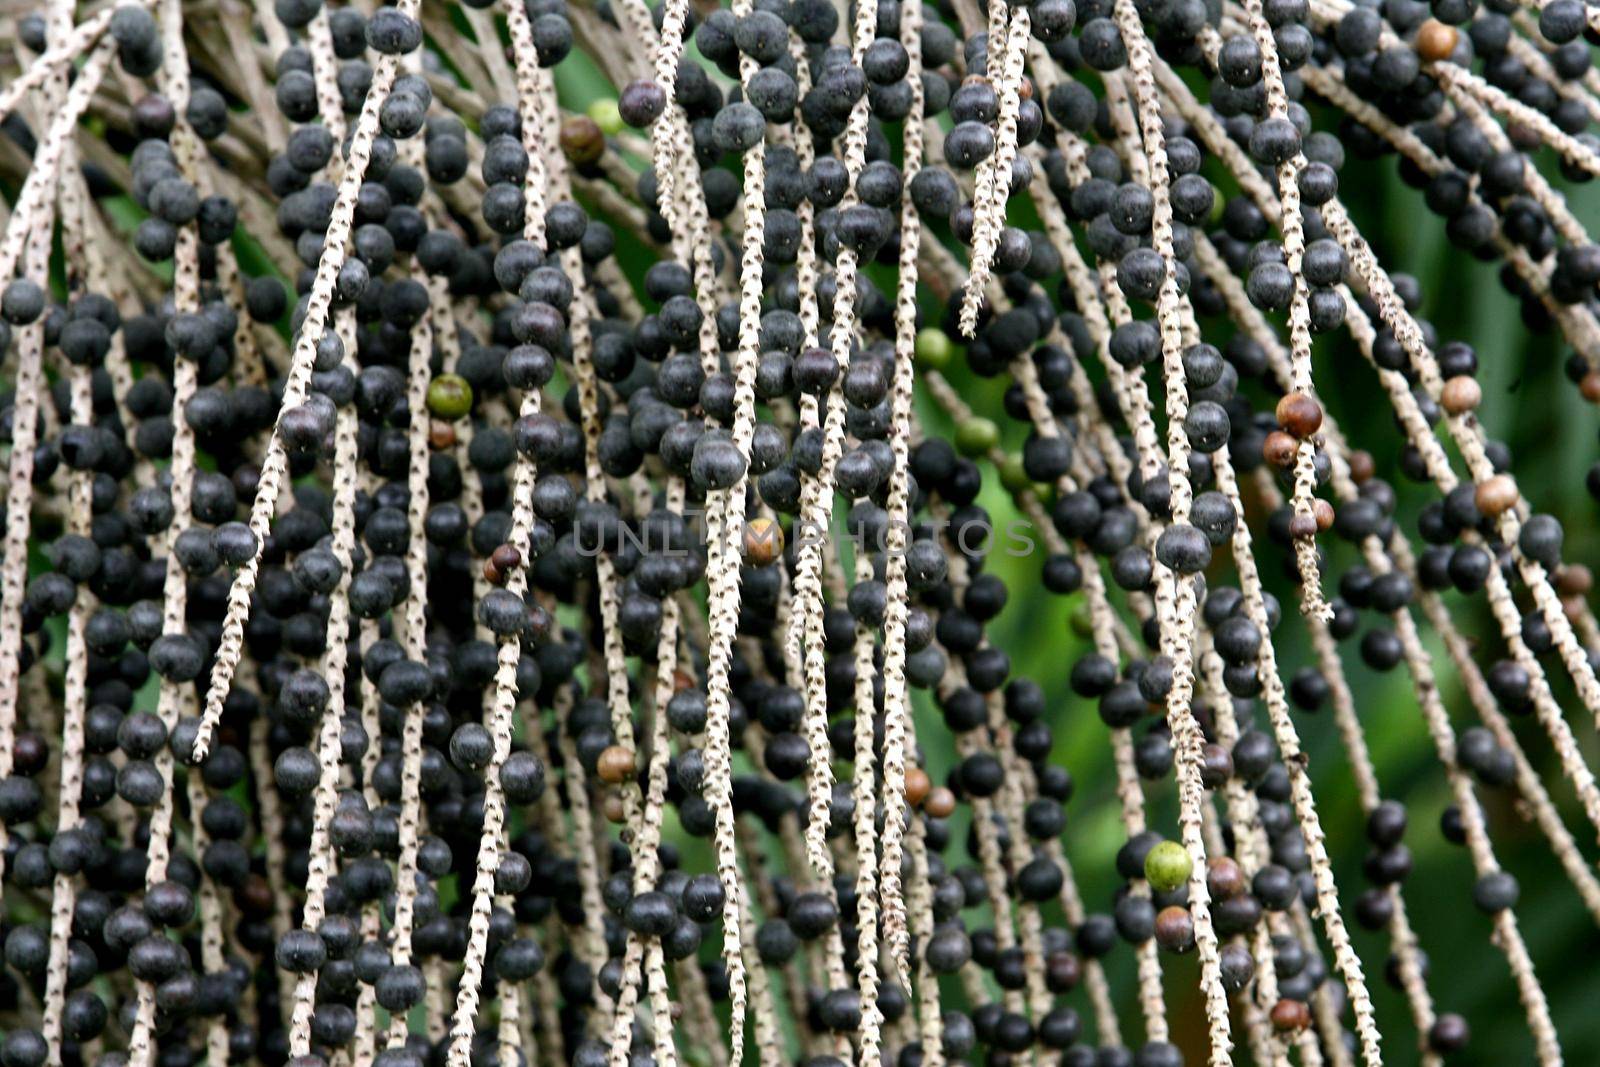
(574,532)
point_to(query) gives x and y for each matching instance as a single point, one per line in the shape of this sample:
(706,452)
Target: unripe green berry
(449,397)
(1012,474)
(607,116)
(1167,866)
(976,435)
(934,350)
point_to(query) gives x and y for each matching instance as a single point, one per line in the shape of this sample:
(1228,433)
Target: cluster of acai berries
(498,571)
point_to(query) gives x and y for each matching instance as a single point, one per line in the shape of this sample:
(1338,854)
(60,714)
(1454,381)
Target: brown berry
(1279,449)
(1574,579)
(917,785)
(939,803)
(1299,415)
(1290,1015)
(1362,467)
(1302,526)
(1224,878)
(1436,41)
(615,811)
(582,140)
(1460,395)
(1322,511)
(1062,972)
(506,557)
(1573,608)
(501,562)
(1590,387)
(763,541)
(1496,496)
(441,435)
(616,765)
(1175,929)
